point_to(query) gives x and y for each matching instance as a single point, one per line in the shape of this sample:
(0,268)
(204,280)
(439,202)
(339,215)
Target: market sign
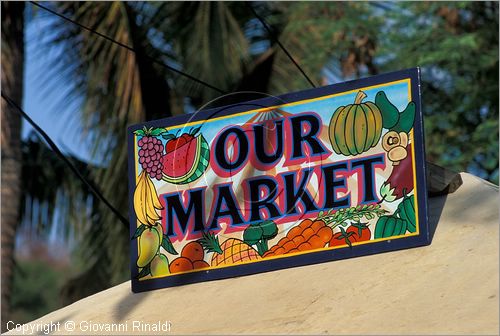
(308,177)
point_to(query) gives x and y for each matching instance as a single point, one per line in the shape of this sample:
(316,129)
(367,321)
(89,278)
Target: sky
(397,93)
(44,102)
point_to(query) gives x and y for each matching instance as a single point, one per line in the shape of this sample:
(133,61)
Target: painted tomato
(341,238)
(357,232)
(361,232)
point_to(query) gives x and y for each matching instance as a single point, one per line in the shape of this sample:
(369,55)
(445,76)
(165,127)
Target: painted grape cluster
(150,154)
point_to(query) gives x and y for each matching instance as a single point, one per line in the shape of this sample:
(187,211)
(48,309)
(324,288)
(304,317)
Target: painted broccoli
(259,234)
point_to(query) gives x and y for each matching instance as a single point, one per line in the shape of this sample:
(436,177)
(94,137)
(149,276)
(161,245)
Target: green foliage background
(456,44)
(36,289)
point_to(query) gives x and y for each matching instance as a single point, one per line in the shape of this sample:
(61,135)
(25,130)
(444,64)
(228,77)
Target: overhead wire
(95,191)
(275,38)
(260,18)
(199,81)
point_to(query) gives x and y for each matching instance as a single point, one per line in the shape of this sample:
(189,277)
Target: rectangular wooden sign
(307,177)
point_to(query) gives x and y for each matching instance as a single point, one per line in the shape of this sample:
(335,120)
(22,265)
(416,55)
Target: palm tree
(218,42)
(12,85)
(121,88)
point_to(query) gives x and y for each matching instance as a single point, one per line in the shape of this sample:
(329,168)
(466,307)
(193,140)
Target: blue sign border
(423,238)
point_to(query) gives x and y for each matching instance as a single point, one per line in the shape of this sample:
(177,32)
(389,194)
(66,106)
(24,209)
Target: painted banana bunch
(150,260)
(146,202)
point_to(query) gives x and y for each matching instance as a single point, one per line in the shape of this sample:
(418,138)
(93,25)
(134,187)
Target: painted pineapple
(231,251)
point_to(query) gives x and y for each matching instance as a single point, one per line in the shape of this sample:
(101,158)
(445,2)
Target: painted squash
(355,128)
(407,212)
(388,226)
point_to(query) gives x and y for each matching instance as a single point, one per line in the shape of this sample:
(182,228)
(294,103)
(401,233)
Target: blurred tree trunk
(12,85)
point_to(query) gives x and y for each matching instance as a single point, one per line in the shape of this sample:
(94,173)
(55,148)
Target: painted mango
(149,243)
(159,229)
(159,265)
(355,128)
(388,226)
(407,212)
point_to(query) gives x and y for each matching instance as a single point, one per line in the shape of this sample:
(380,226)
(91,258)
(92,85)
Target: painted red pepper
(401,180)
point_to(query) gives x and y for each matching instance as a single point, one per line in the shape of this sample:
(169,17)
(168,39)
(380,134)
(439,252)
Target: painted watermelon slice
(186,163)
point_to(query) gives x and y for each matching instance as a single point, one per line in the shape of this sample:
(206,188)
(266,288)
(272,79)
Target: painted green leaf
(194,130)
(144,271)
(168,136)
(139,231)
(139,132)
(157,131)
(167,245)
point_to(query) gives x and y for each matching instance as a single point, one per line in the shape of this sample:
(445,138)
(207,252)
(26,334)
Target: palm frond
(209,41)
(214,41)
(47,185)
(119,87)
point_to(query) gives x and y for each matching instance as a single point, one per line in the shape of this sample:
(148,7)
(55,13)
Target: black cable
(273,36)
(58,152)
(54,147)
(127,47)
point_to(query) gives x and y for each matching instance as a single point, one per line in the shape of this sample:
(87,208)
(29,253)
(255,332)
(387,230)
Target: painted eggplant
(401,180)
